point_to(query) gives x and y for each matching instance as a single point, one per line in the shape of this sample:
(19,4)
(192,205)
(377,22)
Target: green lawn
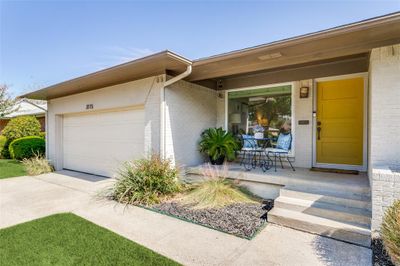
(11,168)
(66,239)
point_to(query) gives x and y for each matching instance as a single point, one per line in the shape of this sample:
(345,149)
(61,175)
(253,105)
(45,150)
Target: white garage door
(98,143)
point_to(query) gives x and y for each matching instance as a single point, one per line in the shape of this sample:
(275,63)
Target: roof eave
(163,58)
(301,38)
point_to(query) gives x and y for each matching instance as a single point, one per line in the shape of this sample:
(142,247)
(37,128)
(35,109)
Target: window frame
(266,86)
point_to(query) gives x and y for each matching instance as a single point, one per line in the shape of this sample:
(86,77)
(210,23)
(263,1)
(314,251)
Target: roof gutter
(163,119)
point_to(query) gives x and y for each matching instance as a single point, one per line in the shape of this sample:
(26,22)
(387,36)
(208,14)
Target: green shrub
(391,232)
(27,147)
(22,126)
(145,181)
(19,127)
(5,153)
(3,140)
(37,165)
(43,135)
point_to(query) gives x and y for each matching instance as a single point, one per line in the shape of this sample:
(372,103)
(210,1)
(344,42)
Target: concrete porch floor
(301,178)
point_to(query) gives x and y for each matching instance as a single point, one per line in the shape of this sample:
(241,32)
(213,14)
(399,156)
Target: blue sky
(46,42)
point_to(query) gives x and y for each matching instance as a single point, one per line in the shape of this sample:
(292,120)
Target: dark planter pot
(219,161)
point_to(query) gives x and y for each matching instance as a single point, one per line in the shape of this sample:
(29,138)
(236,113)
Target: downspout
(183,75)
(167,83)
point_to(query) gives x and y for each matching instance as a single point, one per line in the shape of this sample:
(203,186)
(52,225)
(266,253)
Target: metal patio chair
(281,150)
(252,153)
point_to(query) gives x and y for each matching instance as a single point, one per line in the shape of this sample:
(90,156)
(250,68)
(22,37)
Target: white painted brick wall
(303,109)
(384,114)
(152,116)
(221,109)
(385,190)
(190,109)
(384,129)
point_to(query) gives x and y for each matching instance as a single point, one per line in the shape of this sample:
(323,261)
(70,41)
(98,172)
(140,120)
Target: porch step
(352,200)
(320,185)
(322,226)
(333,211)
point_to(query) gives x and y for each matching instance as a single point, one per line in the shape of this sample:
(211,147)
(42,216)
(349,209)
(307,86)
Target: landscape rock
(241,219)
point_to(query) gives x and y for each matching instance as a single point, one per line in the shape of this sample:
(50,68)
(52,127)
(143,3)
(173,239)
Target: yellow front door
(340,112)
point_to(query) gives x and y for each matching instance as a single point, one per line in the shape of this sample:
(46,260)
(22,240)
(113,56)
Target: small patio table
(254,153)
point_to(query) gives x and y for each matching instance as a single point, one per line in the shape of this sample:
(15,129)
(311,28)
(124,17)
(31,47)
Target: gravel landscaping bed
(241,219)
(380,257)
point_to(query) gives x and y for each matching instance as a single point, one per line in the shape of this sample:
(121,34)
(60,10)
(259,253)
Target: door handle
(319,132)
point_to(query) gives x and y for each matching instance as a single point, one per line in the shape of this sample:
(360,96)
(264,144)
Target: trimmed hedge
(27,147)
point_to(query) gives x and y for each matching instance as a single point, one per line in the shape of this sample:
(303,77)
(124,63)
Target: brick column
(384,130)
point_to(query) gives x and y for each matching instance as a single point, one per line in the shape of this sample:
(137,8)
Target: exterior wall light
(304,92)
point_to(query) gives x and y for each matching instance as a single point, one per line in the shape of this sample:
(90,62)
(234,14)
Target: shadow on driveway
(83,176)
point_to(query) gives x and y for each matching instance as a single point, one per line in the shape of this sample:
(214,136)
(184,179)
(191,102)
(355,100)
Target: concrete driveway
(27,198)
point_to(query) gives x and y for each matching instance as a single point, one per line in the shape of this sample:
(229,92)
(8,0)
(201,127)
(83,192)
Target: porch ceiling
(348,40)
(325,68)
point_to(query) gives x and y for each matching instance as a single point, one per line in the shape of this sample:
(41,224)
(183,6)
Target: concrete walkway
(27,198)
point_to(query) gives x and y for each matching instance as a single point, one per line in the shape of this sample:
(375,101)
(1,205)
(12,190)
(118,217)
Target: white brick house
(162,103)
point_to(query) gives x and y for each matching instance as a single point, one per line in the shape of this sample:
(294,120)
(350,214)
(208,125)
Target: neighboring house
(347,117)
(25,107)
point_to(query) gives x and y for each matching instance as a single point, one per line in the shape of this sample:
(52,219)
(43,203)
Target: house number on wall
(89,106)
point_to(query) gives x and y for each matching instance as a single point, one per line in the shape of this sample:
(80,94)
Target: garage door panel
(95,167)
(99,142)
(120,151)
(76,133)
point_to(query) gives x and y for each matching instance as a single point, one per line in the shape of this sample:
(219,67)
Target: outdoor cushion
(275,150)
(284,141)
(249,141)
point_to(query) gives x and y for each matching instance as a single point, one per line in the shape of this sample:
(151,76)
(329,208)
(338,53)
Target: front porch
(329,204)
(302,178)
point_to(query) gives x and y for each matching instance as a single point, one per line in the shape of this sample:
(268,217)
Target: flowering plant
(258,129)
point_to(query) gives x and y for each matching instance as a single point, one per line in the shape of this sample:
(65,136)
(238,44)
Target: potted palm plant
(218,144)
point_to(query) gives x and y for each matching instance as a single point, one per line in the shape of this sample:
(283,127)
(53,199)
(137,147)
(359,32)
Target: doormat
(336,171)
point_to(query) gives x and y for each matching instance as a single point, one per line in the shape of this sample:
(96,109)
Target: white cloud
(114,55)
(124,54)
